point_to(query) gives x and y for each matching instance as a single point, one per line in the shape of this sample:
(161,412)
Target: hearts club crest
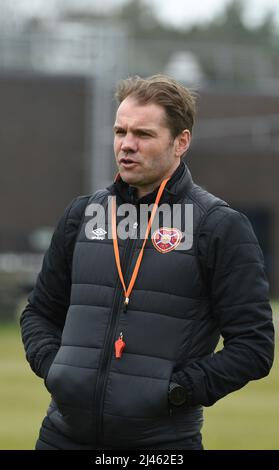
(166,239)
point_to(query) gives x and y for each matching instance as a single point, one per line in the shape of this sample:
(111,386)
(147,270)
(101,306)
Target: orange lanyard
(127,292)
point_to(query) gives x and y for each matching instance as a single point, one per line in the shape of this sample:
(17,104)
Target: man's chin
(129,179)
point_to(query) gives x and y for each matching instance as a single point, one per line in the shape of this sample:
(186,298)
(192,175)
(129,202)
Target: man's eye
(144,134)
(119,131)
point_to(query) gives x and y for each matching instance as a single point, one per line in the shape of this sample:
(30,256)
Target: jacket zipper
(109,344)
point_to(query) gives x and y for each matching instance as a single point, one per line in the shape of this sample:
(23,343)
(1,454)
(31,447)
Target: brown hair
(178,101)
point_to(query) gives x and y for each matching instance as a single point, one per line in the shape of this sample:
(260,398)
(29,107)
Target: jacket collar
(179,184)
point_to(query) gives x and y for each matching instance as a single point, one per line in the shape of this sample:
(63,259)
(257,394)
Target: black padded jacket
(180,305)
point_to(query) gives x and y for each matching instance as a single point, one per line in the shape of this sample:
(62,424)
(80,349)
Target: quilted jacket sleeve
(43,319)
(239,298)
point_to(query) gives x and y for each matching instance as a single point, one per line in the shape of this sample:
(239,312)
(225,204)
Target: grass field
(246,419)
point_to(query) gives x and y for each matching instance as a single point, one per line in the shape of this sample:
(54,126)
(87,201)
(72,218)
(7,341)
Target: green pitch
(249,418)
(246,419)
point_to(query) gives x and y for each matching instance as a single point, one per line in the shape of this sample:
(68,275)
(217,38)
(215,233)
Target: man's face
(144,148)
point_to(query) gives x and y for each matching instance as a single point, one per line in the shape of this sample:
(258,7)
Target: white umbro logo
(98,234)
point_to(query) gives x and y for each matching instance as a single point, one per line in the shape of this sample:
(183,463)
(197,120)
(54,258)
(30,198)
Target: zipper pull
(119,346)
(125,305)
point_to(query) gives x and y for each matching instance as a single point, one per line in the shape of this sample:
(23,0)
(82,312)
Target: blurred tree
(230,23)
(266,31)
(230,26)
(140,19)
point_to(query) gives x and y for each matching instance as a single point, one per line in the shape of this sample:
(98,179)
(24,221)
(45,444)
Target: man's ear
(182,142)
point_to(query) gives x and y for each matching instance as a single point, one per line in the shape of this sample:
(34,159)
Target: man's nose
(129,143)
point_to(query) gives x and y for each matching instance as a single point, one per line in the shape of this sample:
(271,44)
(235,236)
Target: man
(123,330)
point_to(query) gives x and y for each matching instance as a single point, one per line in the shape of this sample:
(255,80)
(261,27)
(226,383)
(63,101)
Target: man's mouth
(127,162)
